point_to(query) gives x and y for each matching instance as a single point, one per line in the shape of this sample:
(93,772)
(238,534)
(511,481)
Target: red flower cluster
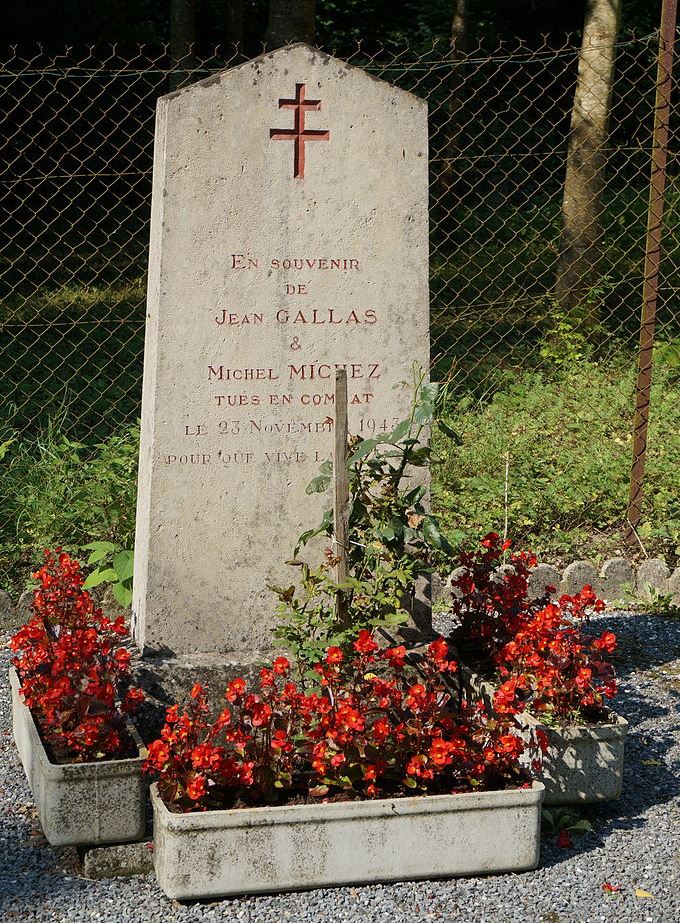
(548,663)
(556,670)
(491,605)
(371,728)
(72,667)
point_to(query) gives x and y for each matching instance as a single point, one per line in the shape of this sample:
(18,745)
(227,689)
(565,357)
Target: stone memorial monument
(289,237)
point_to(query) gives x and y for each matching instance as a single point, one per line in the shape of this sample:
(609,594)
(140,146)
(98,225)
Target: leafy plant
(370,728)
(61,491)
(564,343)
(490,605)
(392,540)
(115,566)
(73,667)
(5,446)
(659,603)
(556,819)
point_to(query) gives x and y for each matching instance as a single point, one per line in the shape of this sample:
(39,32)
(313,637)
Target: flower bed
(550,673)
(327,777)
(581,763)
(90,803)
(81,755)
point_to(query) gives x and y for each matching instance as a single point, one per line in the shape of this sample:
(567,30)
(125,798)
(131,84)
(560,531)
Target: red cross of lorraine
(299,134)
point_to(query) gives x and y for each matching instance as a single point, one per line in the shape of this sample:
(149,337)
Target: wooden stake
(340,494)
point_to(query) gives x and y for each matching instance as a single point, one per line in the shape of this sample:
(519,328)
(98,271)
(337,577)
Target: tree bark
(291,21)
(578,265)
(182,36)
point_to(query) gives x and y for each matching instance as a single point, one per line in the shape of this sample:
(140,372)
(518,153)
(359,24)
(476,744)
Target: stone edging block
(617,581)
(652,577)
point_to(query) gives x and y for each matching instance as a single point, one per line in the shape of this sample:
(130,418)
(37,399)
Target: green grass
(567,439)
(78,359)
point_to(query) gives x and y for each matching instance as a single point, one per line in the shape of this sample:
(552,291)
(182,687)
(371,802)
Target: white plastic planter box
(249,850)
(80,803)
(584,763)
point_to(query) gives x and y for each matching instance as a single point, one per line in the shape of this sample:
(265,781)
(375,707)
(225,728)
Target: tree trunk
(291,21)
(182,35)
(449,192)
(234,30)
(578,265)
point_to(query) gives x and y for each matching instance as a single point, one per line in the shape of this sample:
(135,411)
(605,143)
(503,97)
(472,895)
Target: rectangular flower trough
(249,850)
(584,762)
(80,803)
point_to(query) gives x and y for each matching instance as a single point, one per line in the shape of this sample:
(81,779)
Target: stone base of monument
(245,851)
(584,763)
(80,803)
(167,680)
(120,861)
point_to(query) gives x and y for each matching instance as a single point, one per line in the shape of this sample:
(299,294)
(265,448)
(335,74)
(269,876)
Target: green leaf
(4,447)
(364,448)
(97,556)
(581,826)
(414,496)
(420,457)
(122,594)
(410,782)
(391,618)
(432,534)
(318,484)
(429,392)
(100,546)
(123,564)
(310,533)
(99,551)
(400,430)
(99,576)
(451,433)
(424,414)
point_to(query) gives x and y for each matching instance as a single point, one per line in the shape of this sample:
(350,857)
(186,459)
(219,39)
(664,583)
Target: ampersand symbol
(296,343)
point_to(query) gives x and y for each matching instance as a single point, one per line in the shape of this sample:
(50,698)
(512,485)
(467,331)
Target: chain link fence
(75,187)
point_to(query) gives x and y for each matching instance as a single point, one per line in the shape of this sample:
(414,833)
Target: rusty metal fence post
(650,293)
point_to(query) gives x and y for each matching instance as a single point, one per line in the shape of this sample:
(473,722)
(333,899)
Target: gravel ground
(634,844)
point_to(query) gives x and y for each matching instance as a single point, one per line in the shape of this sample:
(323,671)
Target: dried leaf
(640,892)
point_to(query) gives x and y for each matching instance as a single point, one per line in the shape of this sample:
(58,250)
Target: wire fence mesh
(75,186)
